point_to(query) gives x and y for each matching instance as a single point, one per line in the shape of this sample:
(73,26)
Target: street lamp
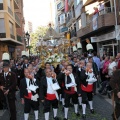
(27,35)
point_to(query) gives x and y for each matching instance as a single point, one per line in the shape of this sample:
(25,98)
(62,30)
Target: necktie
(5,76)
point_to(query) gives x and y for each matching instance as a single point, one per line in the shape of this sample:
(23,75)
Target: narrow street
(103,111)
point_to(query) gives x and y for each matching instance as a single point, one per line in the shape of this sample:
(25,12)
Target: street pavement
(103,110)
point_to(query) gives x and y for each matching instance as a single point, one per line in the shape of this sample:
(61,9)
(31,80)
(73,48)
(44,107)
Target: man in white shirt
(101,8)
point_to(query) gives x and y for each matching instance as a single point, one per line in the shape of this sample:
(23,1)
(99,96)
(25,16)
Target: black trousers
(12,107)
(74,98)
(86,96)
(48,103)
(117,111)
(30,104)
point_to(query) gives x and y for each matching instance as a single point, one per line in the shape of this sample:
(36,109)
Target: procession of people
(75,81)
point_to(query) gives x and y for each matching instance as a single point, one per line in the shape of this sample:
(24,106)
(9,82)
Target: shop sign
(104,37)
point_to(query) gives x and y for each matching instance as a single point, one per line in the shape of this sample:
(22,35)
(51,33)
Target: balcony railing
(16,4)
(17,19)
(12,36)
(19,38)
(10,11)
(2,35)
(106,19)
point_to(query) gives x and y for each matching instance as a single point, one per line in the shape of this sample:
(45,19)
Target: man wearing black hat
(7,88)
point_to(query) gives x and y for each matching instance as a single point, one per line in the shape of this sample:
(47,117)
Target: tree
(41,31)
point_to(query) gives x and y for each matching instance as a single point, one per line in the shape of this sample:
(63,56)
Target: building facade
(28,27)
(97,20)
(11,27)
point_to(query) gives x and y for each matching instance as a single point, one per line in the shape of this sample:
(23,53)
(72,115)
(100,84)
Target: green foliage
(41,31)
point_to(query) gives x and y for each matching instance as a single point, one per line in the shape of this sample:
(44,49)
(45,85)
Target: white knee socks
(66,112)
(91,104)
(36,114)
(80,100)
(84,108)
(26,115)
(63,101)
(54,112)
(76,108)
(47,116)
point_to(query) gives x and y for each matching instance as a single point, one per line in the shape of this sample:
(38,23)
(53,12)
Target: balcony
(104,21)
(10,11)
(19,38)
(70,2)
(64,29)
(73,35)
(69,20)
(16,4)
(62,7)
(17,20)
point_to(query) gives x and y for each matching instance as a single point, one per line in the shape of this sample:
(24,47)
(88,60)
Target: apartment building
(28,27)
(102,28)
(11,27)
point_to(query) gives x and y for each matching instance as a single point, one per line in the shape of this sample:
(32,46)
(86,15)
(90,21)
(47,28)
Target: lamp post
(27,35)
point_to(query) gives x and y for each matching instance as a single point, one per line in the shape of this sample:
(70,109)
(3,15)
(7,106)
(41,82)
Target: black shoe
(92,111)
(65,119)
(84,116)
(80,106)
(56,118)
(77,114)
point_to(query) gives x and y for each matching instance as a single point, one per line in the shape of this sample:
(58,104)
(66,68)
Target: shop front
(106,43)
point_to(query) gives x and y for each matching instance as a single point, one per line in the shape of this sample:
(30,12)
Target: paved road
(103,111)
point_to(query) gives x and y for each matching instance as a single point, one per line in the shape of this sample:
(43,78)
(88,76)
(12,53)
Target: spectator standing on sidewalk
(115,84)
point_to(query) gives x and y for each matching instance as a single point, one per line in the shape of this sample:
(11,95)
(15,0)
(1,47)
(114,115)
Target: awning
(87,2)
(11,41)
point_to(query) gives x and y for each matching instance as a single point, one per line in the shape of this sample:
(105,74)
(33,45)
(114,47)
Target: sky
(38,12)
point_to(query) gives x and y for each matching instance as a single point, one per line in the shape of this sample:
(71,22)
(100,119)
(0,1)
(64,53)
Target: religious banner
(95,21)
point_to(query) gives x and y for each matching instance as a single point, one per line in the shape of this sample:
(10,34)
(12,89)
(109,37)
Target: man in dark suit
(29,89)
(7,88)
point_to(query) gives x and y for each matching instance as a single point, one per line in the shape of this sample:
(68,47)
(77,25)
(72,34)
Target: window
(1,1)
(11,28)
(58,6)
(10,3)
(2,25)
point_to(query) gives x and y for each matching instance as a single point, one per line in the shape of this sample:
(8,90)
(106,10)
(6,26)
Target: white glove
(35,97)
